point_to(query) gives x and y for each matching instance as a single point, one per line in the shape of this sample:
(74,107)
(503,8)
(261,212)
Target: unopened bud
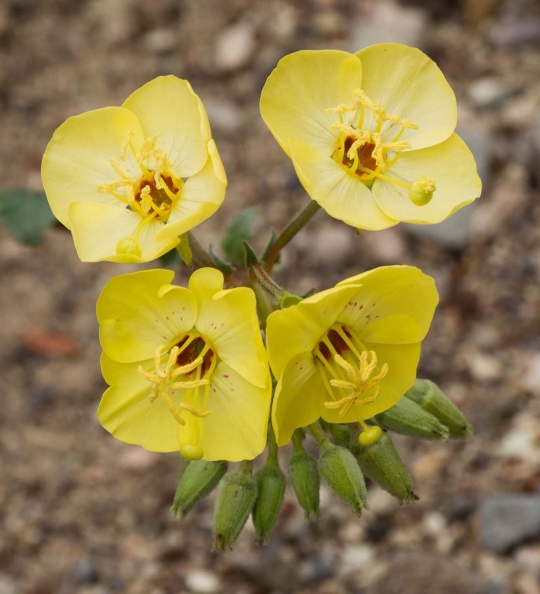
(421,190)
(340,470)
(198,481)
(381,463)
(428,395)
(128,247)
(408,418)
(237,492)
(306,482)
(271,488)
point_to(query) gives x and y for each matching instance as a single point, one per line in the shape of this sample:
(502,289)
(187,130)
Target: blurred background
(83,513)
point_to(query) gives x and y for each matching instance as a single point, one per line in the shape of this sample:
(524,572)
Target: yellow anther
(194,411)
(165,376)
(401,121)
(421,190)
(125,144)
(341,108)
(118,169)
(359,381)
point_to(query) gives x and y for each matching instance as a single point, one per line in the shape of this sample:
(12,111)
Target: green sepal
(409,418)
(185,251)
(170,259)
(225,267)
(250,257)
(236,495)
(288,299)
(198,480)
(309,293)
(429,396)
(339,468)
(271,489)
(26,214)
(381,463)
(237,232)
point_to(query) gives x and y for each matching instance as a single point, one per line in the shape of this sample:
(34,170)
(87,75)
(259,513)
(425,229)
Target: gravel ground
(82,513)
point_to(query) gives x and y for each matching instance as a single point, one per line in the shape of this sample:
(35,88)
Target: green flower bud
(340,470)
(430,398)
(408,418)
(381,463)
(237,492)
(198,481)
(306,482)
(271,488)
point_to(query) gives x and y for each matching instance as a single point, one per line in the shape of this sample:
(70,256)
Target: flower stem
(200,255)
(246,466)
(318,433)
(289,232)
(266,282)
(272,447)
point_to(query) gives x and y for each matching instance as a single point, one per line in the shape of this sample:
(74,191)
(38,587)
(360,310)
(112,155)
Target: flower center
(151,193)
(364,154)
(182,379)
(345,365)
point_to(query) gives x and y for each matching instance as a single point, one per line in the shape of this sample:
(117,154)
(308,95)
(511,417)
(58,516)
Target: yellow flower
(127,181)
(349,353)
(187,368)
(371,134)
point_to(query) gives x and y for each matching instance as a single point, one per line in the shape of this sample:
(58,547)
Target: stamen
(163,377)
(125,144)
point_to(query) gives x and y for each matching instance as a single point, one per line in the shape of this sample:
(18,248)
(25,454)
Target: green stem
(297,439)
(318,434)
(289,232)
(264,304)
(267,283)
(200,255)
(246,466)
(272,447)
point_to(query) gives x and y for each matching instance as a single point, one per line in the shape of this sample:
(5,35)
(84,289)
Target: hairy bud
(381,463)
(237,492)
(428,395)
(408,418)
(198,481)
(306,482)
(271,488)
(340,470)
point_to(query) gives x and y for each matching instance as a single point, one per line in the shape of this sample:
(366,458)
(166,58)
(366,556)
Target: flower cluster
(371,137)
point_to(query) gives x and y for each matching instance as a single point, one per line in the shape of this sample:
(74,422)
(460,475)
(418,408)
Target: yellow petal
(298,329)
(394,305)
(402,362)
(410,85)
(127,412)
(200,197)
(168,107)
(236,429)
(452,166)
(228,319)
(77,159)
(341,193)
(98,228)
(302,86)
(135,320)
(299,397)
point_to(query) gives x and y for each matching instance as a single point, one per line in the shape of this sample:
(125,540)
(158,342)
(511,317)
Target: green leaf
(225,267)
(237,232)
(26,214)
(250,257)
